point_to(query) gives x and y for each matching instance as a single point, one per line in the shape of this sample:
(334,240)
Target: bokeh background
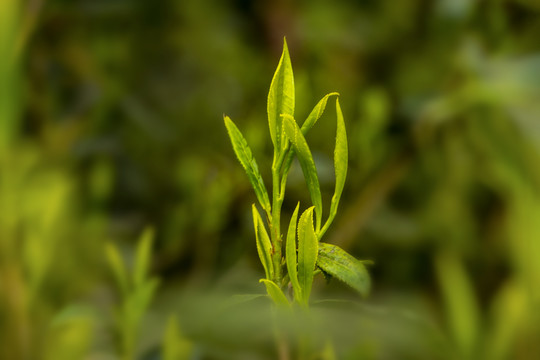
(111,120)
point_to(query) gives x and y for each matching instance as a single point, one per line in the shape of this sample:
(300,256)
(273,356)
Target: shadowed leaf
(340,264)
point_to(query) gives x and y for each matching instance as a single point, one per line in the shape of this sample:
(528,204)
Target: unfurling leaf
(280,97)
(305,158)
(291,257)
(264,246)
(307,253)
(243,152)
(316,113)
(275,293)
(340,166)
(340,264)
(312,118)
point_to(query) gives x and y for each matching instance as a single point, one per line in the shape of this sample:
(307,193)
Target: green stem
(275,224)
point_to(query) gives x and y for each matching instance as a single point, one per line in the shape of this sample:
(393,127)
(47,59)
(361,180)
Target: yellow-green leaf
(280,96)
(291,257)
(243,152)
(264,246)
(117,265)
(460,302)
(143,256)
(305,158)
(340,166)
(275,293)
(175,345)
(307,253)
(316,113)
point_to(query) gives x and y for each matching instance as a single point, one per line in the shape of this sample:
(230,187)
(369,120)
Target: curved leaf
(264,246)
(280,96)
(305,158)
(340,264)
(307,253)
(275,293)
(341,159)
(290,252)
(117,265)
(143,256)
(243,152)
(312,118)
(316,113)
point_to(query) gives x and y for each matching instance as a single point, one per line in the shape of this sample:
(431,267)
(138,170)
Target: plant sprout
(305,253)
(137,290)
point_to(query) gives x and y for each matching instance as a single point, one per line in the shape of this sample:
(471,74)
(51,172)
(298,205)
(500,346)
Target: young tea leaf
(316,113)
(291,254)
(275,293)
(264,246)
(307,253)
(338,263)
(117,265)
(340,166)
(280,96)
(305,158)
(143,256)
(312,118)
(243,152)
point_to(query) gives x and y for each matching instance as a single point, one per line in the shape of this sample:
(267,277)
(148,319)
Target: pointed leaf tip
(281,97)
(245,156)
(264,246)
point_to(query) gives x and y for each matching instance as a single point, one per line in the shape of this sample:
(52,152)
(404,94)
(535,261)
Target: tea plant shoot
(304,252)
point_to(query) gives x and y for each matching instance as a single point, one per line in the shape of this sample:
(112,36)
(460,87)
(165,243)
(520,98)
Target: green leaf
(243,152)
(275,293)
(117,265)
(340,167)
(460,302)
(137,302)
(305,158)
(264,246)
(307,253)
(338,263)
(316,113)
(290,251)
(280,96)
(143,256)
(175,346)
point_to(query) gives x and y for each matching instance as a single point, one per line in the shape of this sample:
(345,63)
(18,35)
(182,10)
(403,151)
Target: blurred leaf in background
(111,118)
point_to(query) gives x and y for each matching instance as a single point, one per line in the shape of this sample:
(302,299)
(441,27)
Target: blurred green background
(111,121)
